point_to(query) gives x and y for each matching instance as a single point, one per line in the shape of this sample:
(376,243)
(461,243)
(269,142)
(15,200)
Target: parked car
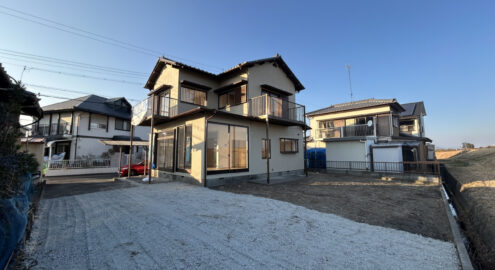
(136,169)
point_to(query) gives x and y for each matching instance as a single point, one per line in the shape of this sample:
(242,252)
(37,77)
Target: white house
(370,134)
(75,126)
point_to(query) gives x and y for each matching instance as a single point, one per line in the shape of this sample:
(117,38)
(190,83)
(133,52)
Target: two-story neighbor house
(411,120)
(75,126)
(214,128)
(370,131)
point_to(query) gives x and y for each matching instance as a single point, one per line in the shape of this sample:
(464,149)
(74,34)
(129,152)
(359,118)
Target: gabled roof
(162,61)
(94,104)
(413,109)
(360,104)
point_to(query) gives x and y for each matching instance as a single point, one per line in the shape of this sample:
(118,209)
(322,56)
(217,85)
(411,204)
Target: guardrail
(418,167)
(78,164)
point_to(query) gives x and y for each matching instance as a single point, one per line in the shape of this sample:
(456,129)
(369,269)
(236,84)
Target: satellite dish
(370,123)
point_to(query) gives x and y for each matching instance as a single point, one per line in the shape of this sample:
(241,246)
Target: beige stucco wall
(278,163)
(197,158)
(169,76)
(268,74)
(257,130)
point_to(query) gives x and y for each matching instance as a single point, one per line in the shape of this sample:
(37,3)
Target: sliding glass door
(226,148)
(165,150)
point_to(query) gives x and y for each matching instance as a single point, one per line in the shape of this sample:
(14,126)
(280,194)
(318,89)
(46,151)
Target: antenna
(349,72)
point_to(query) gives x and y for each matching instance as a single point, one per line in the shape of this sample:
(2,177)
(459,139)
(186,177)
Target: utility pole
(349,73)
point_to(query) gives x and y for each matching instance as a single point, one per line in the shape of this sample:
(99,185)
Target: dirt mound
(446,154)
(475,172)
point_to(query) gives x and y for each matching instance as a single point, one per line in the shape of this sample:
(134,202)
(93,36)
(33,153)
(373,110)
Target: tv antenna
(350,83)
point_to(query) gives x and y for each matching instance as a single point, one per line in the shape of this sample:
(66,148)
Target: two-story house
(74,127)
(411,120)
(368,131)
(216,128)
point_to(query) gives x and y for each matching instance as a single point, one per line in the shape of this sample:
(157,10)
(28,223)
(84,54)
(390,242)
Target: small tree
(467,146)
(13,162)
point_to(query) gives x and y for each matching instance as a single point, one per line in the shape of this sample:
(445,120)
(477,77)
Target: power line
(66,98)
(69,90)
(24,62)
(68,62)
(75,74)
(95,37)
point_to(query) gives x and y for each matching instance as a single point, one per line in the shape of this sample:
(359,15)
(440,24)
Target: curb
(462,253)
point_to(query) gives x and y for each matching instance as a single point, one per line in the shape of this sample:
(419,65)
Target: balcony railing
(276,108)
(165,106)
(53,129)
(347,131)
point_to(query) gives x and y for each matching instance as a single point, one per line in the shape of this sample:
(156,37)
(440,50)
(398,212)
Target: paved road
(74,185)
(179,226)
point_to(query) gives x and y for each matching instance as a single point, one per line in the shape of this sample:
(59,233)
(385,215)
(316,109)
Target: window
(289,145)
(193,96)
(266,149)
(98,121)
(184,144)
(121,124)
(227,148)
(235,96)
(165,150)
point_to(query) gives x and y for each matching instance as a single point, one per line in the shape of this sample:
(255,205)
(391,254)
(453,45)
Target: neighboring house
(370,131)
(411,120)
(215,128)
(75,126)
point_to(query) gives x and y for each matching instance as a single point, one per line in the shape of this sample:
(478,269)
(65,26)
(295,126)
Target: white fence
(78,164)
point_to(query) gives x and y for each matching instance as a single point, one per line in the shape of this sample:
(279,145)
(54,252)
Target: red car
(136,169)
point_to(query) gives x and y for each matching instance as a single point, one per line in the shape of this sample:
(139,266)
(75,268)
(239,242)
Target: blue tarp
(316,158)
(13,219)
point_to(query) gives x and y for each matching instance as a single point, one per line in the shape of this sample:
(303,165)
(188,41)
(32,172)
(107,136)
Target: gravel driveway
(175,225)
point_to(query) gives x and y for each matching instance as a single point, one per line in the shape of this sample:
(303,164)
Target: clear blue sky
(441,52)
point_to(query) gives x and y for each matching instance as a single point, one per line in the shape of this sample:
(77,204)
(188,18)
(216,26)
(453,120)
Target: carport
(126,141)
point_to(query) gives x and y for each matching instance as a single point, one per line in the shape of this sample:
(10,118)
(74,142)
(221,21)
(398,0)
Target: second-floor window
(121,124)
(98,121)
(232,97)
(193,96)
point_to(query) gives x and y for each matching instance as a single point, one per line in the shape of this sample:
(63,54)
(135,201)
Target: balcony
(276,109)
(165,107)
(347,131)
(51,130)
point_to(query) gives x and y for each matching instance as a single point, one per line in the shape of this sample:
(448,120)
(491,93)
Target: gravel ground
(175,225)
(407,206)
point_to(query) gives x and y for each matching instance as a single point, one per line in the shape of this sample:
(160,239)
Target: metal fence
(78,164)
(419,167)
